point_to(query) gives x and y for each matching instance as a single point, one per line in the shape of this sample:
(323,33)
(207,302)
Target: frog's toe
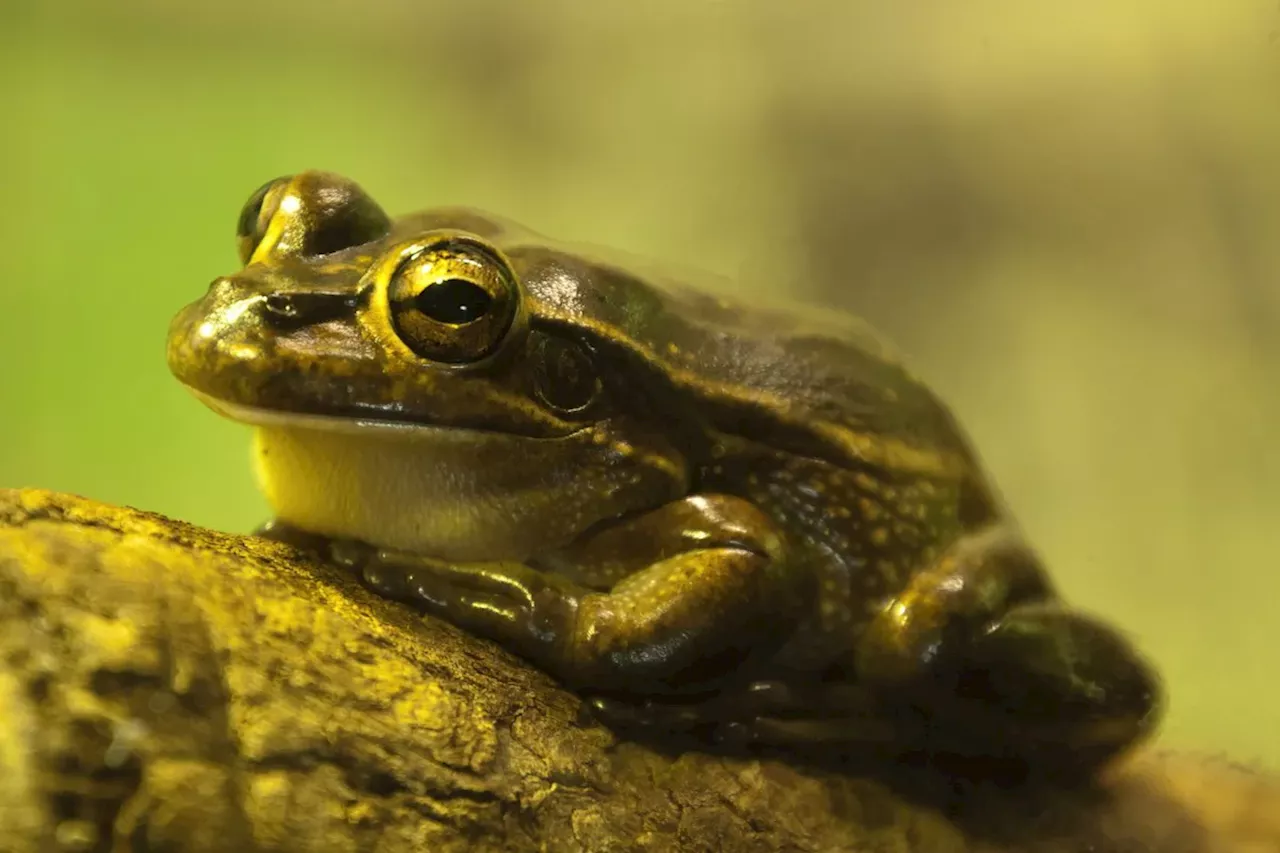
(287,534)
(623,714)
(728,711)
(414,585)
(834,735)
(615,713)
(695,721)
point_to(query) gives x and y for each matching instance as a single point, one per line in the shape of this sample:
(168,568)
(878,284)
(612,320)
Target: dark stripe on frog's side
(762,375)
(833,392)
(812,386)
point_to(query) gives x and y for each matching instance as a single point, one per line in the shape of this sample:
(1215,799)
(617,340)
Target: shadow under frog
(739,524)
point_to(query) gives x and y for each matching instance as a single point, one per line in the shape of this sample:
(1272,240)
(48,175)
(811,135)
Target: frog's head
(339,312)
(401,354)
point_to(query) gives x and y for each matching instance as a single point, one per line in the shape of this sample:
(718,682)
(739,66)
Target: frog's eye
(316,213)
(564,374)
(453,302)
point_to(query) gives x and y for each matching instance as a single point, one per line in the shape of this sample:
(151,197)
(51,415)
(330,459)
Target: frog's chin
(453,493)
(448,493)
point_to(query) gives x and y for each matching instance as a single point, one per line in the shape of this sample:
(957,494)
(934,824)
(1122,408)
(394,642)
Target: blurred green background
(1067,215)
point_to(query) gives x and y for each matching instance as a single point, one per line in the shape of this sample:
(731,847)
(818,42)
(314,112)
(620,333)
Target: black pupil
(455,301)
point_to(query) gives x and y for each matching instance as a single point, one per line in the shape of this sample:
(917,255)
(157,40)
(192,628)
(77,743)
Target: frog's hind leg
(980,642)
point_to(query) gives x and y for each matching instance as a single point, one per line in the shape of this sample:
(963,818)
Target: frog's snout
(218,328)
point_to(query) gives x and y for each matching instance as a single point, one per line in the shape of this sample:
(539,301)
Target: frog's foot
(287,534)
(765,714)
(347,553)
(528,610)
(725,714)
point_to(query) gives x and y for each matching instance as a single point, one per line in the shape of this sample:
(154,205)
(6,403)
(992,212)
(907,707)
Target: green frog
(745,522)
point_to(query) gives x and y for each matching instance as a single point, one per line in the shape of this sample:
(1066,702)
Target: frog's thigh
(983,631)
(712,589)
(973,584)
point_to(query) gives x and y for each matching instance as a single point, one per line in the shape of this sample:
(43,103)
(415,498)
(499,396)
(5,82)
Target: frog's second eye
(453,302)
(312,213)
(255,215)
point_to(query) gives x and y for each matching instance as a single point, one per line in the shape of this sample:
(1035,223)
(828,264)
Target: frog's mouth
(359,424)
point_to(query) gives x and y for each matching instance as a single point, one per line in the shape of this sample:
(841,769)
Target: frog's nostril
(280,307)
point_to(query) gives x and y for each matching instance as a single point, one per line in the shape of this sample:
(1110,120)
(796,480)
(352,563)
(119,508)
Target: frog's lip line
(259,417)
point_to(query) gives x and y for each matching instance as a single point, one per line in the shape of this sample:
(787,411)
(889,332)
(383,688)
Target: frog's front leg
(658,603)
(982,644)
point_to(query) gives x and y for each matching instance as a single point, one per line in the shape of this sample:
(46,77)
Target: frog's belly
(454,494)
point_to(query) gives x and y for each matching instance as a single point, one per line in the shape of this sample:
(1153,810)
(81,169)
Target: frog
(727,517)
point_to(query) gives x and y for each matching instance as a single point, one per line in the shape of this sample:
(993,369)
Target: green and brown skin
(706,516)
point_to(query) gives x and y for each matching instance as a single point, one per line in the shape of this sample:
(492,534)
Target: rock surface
(165,687)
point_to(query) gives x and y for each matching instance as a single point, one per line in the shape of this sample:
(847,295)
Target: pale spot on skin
(870,510)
